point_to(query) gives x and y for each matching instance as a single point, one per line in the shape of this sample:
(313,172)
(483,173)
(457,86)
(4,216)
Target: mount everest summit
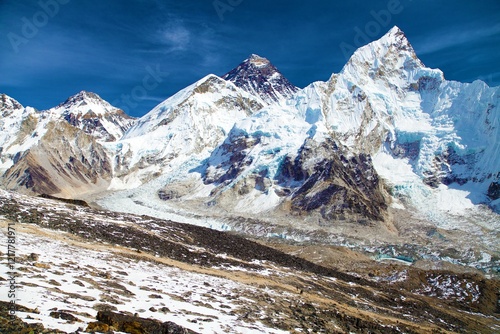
(386,133)
(259,77)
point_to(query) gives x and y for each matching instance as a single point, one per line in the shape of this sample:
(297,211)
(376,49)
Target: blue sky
(137,53)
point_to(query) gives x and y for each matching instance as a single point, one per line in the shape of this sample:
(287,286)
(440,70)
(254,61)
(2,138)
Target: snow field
(75,280)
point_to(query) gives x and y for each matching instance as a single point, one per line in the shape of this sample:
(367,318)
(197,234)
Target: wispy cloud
(455,36)
(175,36)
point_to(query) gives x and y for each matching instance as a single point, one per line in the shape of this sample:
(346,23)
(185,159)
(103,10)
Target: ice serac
(90,113)
(259,77)
(385,102)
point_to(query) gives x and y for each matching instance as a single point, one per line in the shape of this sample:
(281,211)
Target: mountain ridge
(258,76)
(384,135)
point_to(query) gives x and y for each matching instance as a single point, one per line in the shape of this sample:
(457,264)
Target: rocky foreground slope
(75,263)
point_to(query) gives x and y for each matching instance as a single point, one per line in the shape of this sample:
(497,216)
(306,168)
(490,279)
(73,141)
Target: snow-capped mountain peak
(396,36)
(258,61)
(258,76)
(89,112)
(7,103)
(392,51)
(85,101)
(191,123)
(201,99)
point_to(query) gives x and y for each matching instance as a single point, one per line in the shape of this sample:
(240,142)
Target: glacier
(384,141)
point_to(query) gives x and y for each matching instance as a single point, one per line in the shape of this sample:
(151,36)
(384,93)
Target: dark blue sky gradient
(149,50)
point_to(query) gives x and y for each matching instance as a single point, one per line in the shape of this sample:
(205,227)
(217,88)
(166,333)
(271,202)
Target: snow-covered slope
(386,102)
(59,151)
(20,129)
(189,125)
(259,77)
(431,140)
(211,97)
(90,113)
(12,114)
(72,262)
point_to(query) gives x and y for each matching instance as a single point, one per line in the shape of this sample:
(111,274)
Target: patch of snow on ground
(76,279)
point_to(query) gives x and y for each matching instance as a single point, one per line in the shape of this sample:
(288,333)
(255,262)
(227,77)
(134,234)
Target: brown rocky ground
(343,291)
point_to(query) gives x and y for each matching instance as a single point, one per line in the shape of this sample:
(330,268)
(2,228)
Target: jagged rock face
(494,191)
(65,162)
(259,77)
(336,184)
(96,117)
(8,105)
(58,151)
(236,160)
(94,124)
(319,176)
(133,324)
